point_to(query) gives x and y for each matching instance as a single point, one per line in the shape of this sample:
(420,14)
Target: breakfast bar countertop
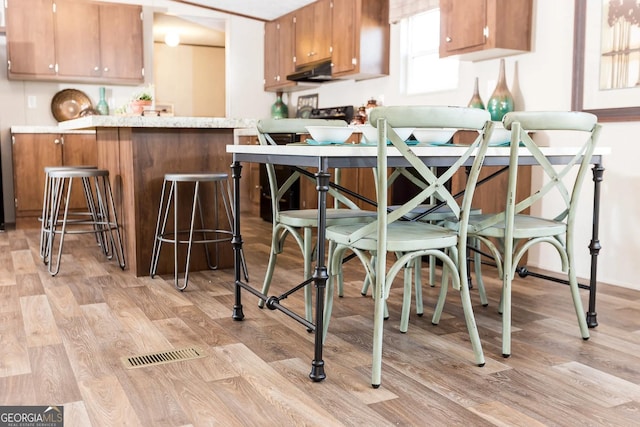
(176,122)
(48,129)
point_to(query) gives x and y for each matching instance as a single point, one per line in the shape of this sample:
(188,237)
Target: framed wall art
(306,103)
(606,59)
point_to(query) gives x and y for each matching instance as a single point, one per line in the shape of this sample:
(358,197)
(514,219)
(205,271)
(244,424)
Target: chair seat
(309,217)
(441,213)
(401,236)
(525,227)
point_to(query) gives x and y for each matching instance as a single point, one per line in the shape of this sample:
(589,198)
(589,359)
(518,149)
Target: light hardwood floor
(62,339)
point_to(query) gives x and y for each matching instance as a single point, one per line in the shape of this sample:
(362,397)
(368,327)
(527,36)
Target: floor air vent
(170,356)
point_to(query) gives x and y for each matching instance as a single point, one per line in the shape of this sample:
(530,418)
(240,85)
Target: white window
(425,72)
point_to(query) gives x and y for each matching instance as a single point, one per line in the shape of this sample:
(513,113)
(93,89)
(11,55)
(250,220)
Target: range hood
(317,73)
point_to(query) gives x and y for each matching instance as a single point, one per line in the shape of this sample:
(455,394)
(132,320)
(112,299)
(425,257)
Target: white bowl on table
(330,134)
(434,136)
(370,133)
(500,135)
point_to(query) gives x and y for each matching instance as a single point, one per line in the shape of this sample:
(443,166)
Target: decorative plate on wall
(69,104)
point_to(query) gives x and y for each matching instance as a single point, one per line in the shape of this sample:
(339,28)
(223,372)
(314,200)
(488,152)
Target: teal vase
(279,109)
(102,107)
(501,101)
(476,101)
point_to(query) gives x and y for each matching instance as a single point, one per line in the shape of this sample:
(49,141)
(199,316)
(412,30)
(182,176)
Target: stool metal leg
(107,209)
(157,242)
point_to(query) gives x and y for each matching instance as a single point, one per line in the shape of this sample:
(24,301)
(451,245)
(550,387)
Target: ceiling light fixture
(172,39)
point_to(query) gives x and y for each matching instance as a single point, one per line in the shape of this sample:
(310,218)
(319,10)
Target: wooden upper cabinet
(360,38)
(278,52)
(313,33)
(121,32)
(485,29)
(30,48)
(75,40)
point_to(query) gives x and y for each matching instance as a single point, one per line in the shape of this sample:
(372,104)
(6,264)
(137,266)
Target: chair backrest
(557,181)
(278,190)
(388,118)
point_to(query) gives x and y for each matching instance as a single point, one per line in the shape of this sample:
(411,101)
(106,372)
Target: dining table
(323,158)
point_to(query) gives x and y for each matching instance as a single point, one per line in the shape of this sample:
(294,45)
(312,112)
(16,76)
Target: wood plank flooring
(62,340)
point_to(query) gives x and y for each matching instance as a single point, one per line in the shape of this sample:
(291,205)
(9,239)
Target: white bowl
(330,134)
(433,136)
(500,135)
(370,133)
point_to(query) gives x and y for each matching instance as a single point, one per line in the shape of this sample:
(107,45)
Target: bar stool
(211,234)
(45,227)
(101,219)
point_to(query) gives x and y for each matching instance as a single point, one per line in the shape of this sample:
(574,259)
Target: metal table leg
(320,275)
(236,240)
(594,246)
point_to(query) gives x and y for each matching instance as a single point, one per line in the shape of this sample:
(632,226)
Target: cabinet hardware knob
(56,141)
(51,66)
(96,68)
(106,69)
(448,39)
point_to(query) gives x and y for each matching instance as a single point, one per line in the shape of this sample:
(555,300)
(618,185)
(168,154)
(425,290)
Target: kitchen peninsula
(138,151)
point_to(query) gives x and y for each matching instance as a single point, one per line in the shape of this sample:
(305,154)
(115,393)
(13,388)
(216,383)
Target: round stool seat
(193,177)
(78,173)
(48,169)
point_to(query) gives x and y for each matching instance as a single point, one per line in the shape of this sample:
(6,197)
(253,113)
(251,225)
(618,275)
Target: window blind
(399,9)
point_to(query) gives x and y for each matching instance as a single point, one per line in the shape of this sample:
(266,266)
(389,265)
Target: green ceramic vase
(501,101)
(102,106)
(279,109)
(476,101)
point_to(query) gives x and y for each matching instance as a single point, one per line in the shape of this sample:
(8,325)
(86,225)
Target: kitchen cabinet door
(33,152)
(30,35)
(313,33)
(110,48)
(484,29)
(78,38)
(279,51)
(121,43)
(360,38)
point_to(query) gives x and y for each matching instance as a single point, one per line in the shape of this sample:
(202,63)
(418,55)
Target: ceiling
(196,30)
(191,30)
(259,9)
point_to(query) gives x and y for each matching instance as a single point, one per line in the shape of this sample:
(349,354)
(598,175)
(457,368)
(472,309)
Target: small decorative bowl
(330,134)
(500,135)
(433,136)
(370,133)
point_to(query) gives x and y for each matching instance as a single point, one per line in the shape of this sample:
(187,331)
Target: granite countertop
(157,122)
(47,129)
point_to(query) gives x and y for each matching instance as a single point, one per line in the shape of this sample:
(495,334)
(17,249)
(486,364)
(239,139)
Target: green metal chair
(511,233)
(300,223)
(414,239)
(433,212)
